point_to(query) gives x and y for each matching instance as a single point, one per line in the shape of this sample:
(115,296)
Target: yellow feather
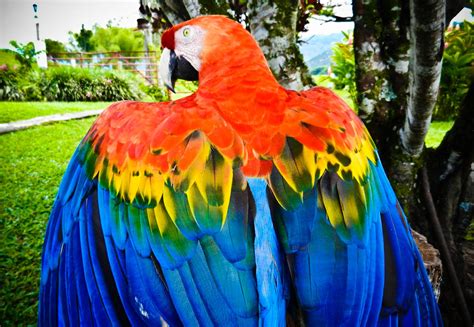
(156,184)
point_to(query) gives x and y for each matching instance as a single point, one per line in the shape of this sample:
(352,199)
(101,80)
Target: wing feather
(153,224)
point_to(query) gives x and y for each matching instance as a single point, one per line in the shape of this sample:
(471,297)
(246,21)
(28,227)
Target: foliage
(83,39)
(117,39)
(25,53)
(436,133)
(13,111)
(108,39)
(9,85)
(54,47)
(307,8)
(343,67)
(33,162)
(458,70)
(76,84)
(8,59)
(155,92)
(68,84)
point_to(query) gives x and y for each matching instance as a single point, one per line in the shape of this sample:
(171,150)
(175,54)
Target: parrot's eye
(186,32)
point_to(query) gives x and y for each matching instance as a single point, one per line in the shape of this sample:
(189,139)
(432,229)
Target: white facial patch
(188,44)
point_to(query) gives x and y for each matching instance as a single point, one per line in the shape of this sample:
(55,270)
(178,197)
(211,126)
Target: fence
(144,64)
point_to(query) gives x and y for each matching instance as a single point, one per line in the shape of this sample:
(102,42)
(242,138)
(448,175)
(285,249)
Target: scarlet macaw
(241,204)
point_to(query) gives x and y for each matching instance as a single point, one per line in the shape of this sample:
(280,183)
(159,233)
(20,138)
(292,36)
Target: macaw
(242,204)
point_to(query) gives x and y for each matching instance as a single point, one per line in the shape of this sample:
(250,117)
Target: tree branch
(333,18)
(427,44)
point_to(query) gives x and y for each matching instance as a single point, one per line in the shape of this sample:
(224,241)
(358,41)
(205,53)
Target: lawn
(12,111)
(31,165)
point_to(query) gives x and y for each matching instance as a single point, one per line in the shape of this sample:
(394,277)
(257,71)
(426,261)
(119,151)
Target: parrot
(242,204)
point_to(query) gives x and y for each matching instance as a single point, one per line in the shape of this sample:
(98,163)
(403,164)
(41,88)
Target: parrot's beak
(173,67)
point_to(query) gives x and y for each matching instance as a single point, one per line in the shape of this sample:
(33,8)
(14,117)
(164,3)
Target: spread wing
(350,251)
(153,222)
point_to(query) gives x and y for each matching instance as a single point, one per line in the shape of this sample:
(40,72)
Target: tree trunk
(273,25)
(451,175)
(427,45)
(381,49)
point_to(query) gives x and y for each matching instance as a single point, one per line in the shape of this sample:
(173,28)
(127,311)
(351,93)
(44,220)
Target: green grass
(31,165)
(12,111)
(436,133)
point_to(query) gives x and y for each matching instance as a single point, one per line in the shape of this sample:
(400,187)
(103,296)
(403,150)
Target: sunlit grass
(32,163)
(12,111)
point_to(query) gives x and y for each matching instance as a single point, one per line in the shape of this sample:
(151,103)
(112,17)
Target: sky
(57,17)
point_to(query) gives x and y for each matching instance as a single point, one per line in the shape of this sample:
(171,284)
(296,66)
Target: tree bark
(174,10)
(273,25)
(381,49)
(381,55)
(427,45)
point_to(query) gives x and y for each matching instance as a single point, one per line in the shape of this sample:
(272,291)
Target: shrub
(68,84)
(155,92)
(9,89)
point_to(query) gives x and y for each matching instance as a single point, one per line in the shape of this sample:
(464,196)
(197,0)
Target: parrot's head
(205,47)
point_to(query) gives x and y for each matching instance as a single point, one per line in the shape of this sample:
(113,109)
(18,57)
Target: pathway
(22,124)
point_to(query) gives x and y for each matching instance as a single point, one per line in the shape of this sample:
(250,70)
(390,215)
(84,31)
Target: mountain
(322,59)
(317,50)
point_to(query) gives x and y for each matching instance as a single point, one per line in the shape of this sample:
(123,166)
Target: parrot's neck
(243,83)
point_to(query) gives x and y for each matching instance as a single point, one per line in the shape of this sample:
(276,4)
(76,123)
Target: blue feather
(93,286)
(147,291)
(118,268)
(234,235)
(238,287)
(271,273)
(185,299)
(70,275)
(85,311)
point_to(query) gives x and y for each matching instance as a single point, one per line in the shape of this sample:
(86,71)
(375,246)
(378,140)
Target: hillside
(317,51)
